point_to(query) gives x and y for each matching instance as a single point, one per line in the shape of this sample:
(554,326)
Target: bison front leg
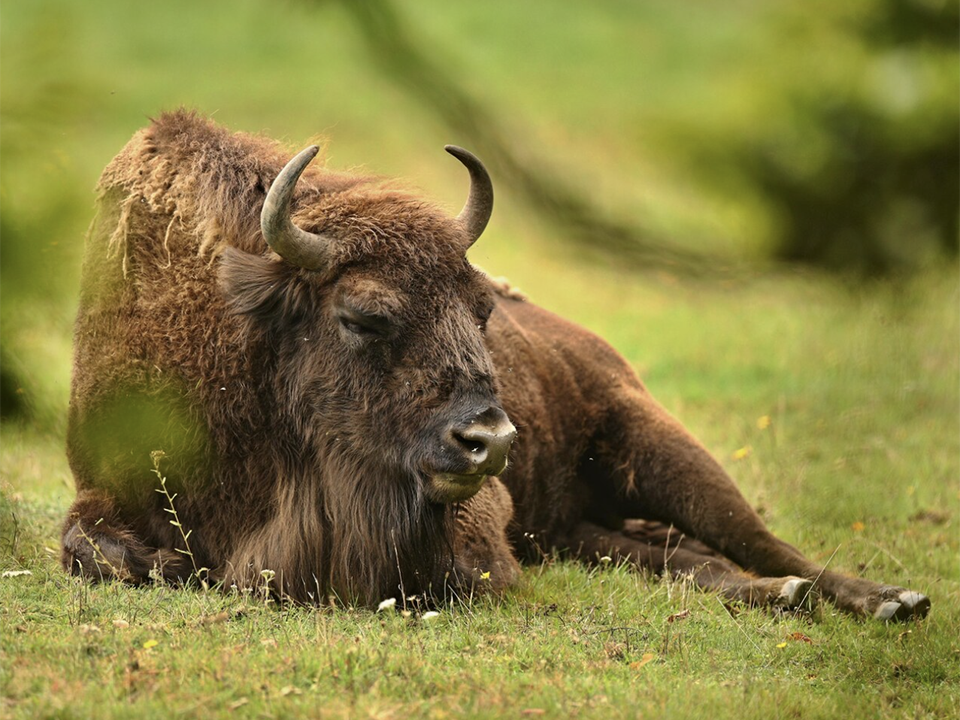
(96,545)
(659,471)
(483,557)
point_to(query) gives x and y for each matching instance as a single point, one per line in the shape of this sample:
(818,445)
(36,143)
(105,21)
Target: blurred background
(693,160)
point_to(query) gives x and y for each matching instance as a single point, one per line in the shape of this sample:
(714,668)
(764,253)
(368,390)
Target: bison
(290,376)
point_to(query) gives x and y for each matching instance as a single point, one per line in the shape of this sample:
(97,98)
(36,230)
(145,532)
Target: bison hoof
(908,605)
(796,593)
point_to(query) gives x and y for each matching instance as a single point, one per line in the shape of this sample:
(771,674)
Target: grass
(543,649)
(568,642)
(858,466)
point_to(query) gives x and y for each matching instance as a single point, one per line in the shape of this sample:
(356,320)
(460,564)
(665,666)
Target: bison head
(370,326)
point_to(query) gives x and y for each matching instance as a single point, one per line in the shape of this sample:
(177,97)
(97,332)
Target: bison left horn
(476,213)
(296,246)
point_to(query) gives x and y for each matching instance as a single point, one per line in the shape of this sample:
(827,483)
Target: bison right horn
(296,246)
(476,212)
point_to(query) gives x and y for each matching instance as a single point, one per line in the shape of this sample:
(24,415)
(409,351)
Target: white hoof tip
(889,611)
(915,600)
(909,604)
(796,593)
(919,605)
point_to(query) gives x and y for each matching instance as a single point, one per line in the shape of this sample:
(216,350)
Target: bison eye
(355,328)
(483,315)
(362,324)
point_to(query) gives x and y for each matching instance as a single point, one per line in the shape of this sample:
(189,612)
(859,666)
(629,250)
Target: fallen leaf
(614,650)
(682,615)
(122,624)
(214,619)
(533,711)
(799,637)
(647,657)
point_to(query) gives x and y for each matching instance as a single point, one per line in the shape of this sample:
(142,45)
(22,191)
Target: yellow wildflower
(742,452)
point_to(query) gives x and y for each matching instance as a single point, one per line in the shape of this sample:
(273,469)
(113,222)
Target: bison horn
(296,246)
(476,213)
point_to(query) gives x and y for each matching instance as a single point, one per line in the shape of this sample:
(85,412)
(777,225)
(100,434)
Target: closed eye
(355,328)
(483,315)
(363,324)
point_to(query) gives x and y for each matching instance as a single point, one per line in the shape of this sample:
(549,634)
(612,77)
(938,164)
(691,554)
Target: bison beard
(330,382)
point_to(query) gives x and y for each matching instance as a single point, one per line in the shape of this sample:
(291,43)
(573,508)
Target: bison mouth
(471,448)
(447,488)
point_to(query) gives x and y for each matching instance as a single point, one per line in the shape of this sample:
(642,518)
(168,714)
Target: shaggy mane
(206,179)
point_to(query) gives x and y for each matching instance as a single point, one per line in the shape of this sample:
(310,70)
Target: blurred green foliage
(42,203)
(743,131)
(858,161)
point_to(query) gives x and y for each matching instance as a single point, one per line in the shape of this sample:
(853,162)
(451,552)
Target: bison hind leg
(659,548)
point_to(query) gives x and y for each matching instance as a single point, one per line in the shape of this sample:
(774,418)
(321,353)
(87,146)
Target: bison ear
(254,284)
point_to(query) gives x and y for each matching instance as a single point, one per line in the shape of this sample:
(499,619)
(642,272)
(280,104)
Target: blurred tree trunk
(11,394)
(576,219)
(12,403)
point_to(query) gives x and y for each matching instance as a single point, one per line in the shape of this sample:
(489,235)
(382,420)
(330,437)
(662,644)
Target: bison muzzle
(302,367)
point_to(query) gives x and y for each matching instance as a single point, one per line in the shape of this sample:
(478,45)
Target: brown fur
(297,448)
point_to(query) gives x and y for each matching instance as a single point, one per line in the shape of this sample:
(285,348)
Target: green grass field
(858,465)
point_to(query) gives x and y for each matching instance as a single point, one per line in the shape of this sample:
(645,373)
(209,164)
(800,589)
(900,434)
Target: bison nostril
(474,447)
(486,444)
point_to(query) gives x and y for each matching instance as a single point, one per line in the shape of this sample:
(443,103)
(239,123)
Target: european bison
(328,391)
